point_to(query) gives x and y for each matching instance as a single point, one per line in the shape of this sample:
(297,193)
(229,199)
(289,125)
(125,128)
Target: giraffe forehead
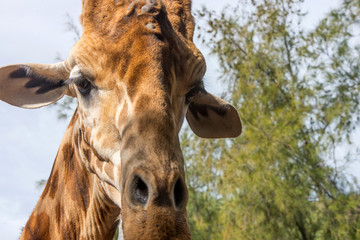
(129,61)
(136,36)
(114,17)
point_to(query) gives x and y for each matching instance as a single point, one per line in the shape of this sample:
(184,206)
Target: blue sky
(34,31)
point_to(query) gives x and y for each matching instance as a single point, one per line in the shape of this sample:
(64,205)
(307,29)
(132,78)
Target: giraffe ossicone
(136,74)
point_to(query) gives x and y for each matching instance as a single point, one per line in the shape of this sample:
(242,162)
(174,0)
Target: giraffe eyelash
(78,77)
(77,81)
(83,85)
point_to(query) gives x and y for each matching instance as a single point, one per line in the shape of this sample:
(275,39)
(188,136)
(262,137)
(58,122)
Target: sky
(35,31)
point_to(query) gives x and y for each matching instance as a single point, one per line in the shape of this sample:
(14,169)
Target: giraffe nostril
(139,191)
(179,193)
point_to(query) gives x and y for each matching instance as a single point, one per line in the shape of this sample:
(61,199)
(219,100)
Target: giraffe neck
(73,204)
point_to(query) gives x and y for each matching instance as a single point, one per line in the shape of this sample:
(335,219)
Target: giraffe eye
(84,87)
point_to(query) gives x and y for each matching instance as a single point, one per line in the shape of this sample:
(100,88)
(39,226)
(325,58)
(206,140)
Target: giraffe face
(133,93)
(136,75)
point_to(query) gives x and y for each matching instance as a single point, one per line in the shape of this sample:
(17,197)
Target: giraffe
(137,75)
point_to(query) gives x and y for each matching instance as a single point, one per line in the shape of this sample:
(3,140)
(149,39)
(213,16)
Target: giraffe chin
(154,223)
(157,229)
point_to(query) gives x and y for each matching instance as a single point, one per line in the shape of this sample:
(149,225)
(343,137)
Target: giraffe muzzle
(144,191)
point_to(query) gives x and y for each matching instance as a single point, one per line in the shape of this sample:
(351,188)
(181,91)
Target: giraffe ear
(32,85)
(212,117)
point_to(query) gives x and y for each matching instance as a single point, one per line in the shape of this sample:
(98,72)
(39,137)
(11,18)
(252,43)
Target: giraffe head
(136,74)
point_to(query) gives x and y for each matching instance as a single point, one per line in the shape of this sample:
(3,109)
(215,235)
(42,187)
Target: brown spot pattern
(54,184)
(37,227)
(68,158)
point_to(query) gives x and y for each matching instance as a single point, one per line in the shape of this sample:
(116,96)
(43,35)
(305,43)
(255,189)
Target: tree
(297,92)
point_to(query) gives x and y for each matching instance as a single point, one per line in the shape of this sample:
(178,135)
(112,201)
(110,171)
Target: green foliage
(297,92)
